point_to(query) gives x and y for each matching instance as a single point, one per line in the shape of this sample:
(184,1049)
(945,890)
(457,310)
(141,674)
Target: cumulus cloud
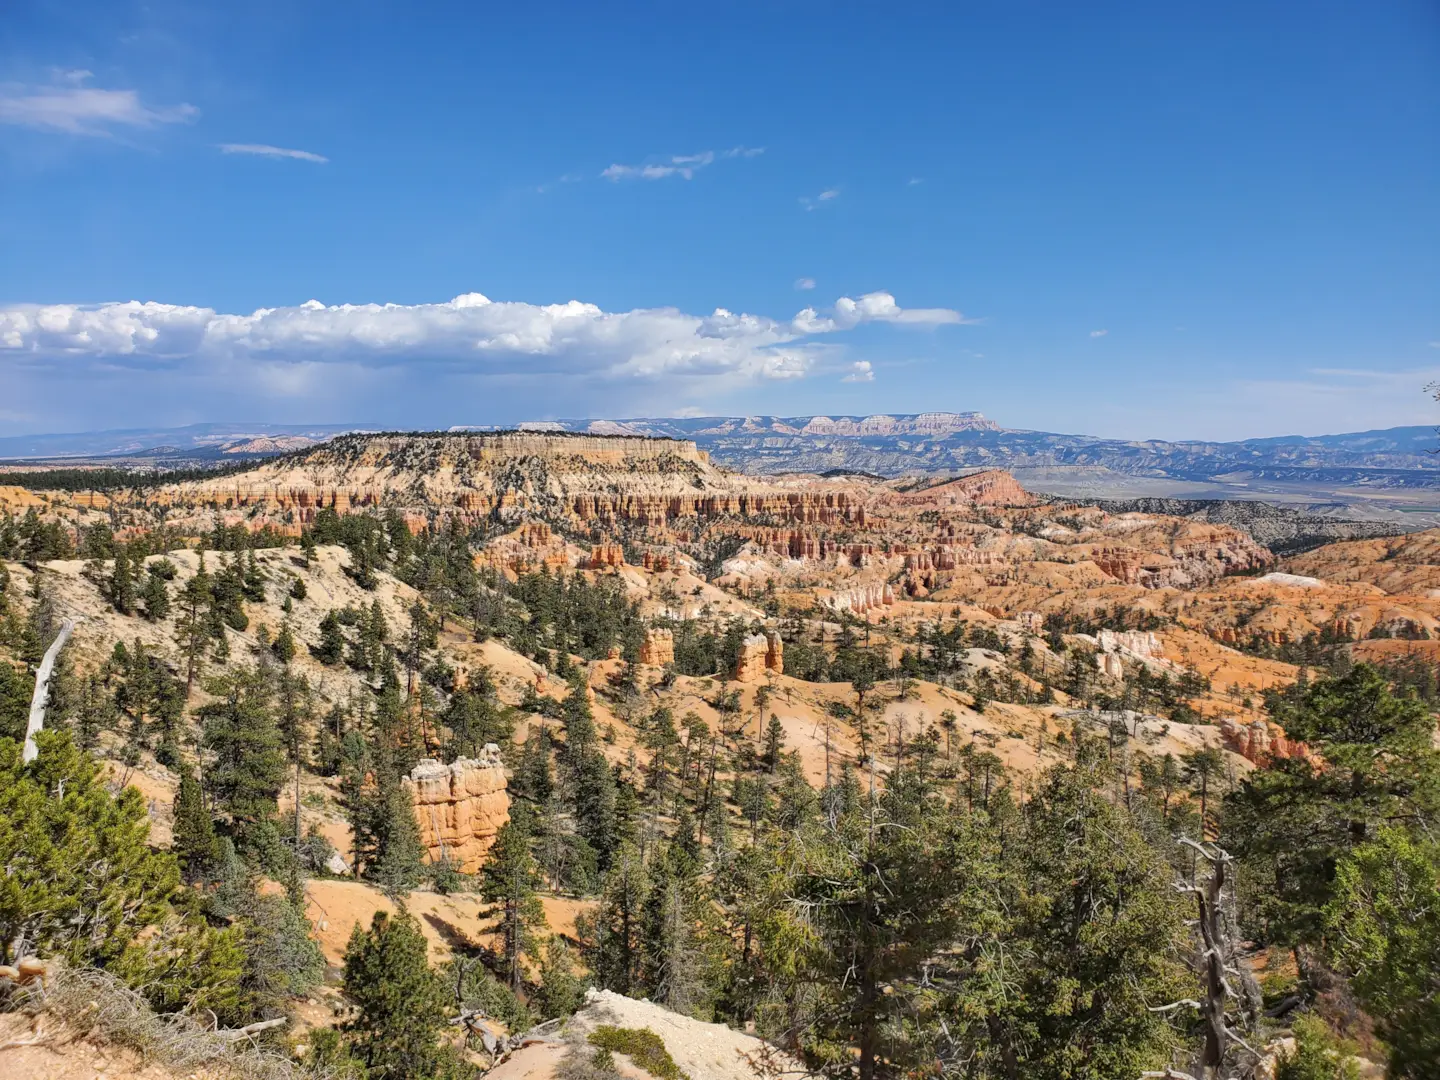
(1098,333)
(262,150)
(682,165)
(860,371)
(805,283)
(75,109)
(297,350)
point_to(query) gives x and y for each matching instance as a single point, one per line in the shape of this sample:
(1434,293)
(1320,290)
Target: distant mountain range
(946,442)
(195,442)
(1388,467)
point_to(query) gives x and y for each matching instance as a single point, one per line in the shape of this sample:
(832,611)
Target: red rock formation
(460,807)
(658,648)
(759,653)
(1261,741)
(605,556)
(657,562)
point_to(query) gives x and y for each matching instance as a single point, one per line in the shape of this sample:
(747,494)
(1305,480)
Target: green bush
(640,1045)
(1318,1055)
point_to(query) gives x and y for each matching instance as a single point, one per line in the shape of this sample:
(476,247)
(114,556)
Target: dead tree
(1232,997)
(42,690)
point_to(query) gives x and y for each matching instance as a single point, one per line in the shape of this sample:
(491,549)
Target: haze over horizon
(1135,223)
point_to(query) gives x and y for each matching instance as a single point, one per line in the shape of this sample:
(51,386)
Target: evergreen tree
(509,879)
(400,1004)
(873,899)
(194,831)
(616,947)
(774,742)
(155,597)
(1291,824)
(1383,928)
(16,689)
(248,766)
(80,881)
(561,990)
(192,628)
(295,713)
(399,860)
(252,582)
(1203,769)
(595,806)
(120,588)
(284,644)
(679,965)
(1102,932)
(331,648)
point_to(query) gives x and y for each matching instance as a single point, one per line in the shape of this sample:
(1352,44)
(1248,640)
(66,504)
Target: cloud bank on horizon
(199,357)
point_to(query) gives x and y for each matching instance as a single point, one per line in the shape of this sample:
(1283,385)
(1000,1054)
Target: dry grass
(96,1004)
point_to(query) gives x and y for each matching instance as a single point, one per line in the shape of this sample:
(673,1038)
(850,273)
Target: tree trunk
(41,697)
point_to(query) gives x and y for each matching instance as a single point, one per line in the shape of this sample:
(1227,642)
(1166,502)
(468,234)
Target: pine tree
(155,596)
(121,585)
(253,579)
(1291,824)
(1103,932)
(249,766)
(678,966)
(295,713)
(80,881)
(423,635)
(595,806)
(1202,769)
(561,990)
(192,628)
(509,879)
(331,648)
(17,687)
(400,1004)
(399,860)
(615,951)
(284,645)
(1383,928)
(774,742)
(872,900)
(194,831)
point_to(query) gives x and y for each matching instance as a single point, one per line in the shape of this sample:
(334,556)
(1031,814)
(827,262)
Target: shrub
(640,1045)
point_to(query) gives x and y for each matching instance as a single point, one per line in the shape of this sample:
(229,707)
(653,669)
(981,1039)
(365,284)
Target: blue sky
(1130,219)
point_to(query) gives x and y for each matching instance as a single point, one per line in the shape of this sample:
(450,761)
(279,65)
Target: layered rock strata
(460,807)
(759,654)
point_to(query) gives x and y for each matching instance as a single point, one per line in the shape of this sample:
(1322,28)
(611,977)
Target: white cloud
(914,180)
(683,165)
(272,151)
(874,307)
(805,283)
(860,371)
(1435,344)
(293,350)
(1098,333)
(825,196)
(74,109)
